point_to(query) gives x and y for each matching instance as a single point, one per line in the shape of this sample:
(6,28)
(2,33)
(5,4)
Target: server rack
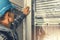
(46,13)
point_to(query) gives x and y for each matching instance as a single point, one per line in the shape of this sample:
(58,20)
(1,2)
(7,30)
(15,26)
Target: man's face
(9,17)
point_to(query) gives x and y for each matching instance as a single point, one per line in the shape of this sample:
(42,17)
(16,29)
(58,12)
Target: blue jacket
(17,21)
(11,34)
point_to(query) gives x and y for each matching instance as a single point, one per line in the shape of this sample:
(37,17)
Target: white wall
(18,2)
(27,22)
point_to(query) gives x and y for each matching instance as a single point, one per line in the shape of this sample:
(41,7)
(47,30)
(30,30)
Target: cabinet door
(46,13)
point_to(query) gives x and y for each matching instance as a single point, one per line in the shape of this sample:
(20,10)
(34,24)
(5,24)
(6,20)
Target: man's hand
(26,11)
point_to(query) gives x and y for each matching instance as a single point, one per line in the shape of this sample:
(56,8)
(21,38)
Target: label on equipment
(47,11)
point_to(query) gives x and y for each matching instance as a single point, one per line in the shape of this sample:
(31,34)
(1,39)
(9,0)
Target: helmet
(4,6)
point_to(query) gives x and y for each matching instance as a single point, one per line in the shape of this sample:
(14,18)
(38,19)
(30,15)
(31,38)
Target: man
(8,24)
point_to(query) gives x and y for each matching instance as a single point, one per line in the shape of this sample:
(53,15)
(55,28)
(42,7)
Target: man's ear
(6,15)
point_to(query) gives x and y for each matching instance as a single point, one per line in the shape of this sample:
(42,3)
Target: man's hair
(3,17)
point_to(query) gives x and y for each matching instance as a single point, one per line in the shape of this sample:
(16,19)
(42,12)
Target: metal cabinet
(45,14)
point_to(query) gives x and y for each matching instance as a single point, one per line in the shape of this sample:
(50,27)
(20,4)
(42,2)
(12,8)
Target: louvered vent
(46,11)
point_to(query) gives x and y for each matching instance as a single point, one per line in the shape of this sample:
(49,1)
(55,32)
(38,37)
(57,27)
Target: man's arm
(20,18)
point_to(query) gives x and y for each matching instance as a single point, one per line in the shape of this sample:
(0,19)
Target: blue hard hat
(4,6)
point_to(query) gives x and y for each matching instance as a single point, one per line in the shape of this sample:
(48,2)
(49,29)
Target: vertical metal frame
(33,24)
(27,22)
